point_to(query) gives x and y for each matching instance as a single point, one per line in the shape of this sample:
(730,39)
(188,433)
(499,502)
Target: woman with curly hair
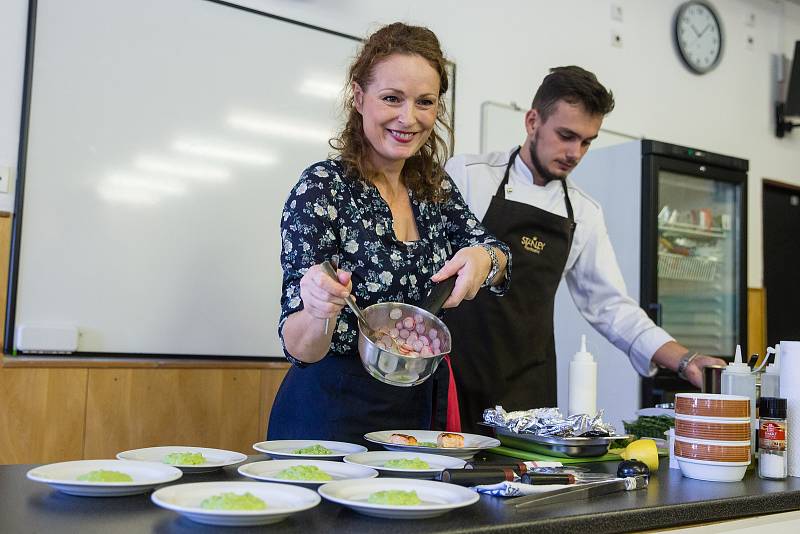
(387,214)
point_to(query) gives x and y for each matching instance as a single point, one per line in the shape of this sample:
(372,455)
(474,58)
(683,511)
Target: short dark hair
(573,85)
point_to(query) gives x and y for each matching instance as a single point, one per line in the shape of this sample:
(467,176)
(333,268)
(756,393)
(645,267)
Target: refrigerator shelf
(692,230)
(692,269)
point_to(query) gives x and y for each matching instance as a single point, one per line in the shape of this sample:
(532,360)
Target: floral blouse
(330,215)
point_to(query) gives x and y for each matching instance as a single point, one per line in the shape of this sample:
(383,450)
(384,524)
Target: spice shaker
(772,458)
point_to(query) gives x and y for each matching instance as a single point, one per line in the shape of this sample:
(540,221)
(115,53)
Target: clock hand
(695,30)
(704,30)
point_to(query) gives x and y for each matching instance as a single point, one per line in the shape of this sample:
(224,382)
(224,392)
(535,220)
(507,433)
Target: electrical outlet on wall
(5,178)
(616,12)
(750,19)
(616,38)
(750,42)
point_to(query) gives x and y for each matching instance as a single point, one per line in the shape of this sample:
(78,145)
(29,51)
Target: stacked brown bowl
(712,436)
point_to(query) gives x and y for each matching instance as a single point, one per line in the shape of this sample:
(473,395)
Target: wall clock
(698,35)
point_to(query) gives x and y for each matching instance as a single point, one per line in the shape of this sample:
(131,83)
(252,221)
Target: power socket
(5,178)
(616,12)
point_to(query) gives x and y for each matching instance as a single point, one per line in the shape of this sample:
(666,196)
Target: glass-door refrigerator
(676,218)
(693,245)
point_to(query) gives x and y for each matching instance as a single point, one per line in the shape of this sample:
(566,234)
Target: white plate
(215,458)
(282,501)
(63,476)
(378,459)
(437,497)
(281,449)
(268,470)
(472,443)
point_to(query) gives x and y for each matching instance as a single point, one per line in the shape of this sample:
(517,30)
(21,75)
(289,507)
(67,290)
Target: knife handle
(518,467)
(477,477)
(541,479)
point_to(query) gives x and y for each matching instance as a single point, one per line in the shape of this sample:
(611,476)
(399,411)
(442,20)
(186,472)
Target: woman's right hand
(323,297)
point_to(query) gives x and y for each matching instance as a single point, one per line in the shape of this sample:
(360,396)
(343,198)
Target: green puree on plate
(408,463)
(313,449)
(303,472)
(233,501)
(427,444)
(399,497)
(184,458)
(102,475)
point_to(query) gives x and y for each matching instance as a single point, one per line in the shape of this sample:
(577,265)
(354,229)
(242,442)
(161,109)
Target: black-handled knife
(438,295)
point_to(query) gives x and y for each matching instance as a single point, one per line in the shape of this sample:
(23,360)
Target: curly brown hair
(422,173)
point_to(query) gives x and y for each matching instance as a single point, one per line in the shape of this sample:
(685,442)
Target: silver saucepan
(393,363)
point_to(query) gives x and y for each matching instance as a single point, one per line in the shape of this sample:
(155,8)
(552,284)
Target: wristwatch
(495,264)
(684,363)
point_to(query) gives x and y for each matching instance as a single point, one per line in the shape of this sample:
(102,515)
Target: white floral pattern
(332,216)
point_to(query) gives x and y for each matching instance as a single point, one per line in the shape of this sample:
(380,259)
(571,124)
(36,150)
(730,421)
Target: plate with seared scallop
(458,445)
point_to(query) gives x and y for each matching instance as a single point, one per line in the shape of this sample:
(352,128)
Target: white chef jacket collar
(522,175)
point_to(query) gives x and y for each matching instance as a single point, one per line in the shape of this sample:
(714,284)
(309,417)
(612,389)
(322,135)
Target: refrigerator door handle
(655,307)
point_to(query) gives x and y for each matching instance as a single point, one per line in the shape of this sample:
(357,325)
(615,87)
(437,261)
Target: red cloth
(453,420)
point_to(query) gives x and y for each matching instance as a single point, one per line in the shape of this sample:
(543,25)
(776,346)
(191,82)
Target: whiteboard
(162,139)
(503,127)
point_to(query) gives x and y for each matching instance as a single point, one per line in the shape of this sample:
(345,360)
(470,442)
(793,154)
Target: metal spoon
(368,331)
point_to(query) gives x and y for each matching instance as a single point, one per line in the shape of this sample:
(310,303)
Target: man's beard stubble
(541,171)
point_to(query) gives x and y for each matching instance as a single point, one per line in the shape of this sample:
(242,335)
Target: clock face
(699,36)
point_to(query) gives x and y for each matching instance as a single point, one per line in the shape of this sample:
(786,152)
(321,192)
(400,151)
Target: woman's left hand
(471,265)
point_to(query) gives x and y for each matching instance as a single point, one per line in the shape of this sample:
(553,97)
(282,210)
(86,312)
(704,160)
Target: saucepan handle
(438,295)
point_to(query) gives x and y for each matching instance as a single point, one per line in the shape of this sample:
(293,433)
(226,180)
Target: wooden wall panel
(42,414)
(756,320)
(270,382)
(5,253)
(132,408)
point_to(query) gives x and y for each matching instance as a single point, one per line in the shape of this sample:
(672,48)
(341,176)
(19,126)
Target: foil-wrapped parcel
(549,422)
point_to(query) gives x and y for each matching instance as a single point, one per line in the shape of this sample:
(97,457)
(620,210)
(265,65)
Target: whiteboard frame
(16,233)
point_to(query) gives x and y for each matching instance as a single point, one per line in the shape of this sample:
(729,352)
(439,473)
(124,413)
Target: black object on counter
(632,468)
(583,491)
(477,477)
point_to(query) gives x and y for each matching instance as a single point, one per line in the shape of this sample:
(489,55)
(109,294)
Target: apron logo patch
(532,244)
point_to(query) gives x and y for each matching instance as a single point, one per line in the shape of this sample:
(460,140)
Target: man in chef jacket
(504,349)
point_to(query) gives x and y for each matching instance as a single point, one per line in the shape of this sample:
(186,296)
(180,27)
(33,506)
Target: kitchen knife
(582,491)
(478,477)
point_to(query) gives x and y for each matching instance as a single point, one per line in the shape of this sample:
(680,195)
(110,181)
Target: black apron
(504,347)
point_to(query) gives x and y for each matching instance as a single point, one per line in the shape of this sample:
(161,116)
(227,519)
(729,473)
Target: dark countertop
(670,500)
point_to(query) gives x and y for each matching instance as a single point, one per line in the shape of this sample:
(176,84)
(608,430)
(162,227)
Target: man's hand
(694,371)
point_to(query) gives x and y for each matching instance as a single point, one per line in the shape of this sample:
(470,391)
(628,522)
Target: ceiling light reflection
(237,154)
(127,195)
(181,169)
(321,88)
(162,185)
(286,129)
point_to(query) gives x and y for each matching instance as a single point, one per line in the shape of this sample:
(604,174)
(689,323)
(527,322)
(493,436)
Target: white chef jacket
(593,276)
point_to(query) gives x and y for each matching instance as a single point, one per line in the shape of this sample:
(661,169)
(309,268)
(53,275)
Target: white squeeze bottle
(583,382)
(771,379)
(738,379)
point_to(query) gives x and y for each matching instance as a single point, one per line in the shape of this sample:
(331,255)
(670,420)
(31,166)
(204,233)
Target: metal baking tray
(556,446)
